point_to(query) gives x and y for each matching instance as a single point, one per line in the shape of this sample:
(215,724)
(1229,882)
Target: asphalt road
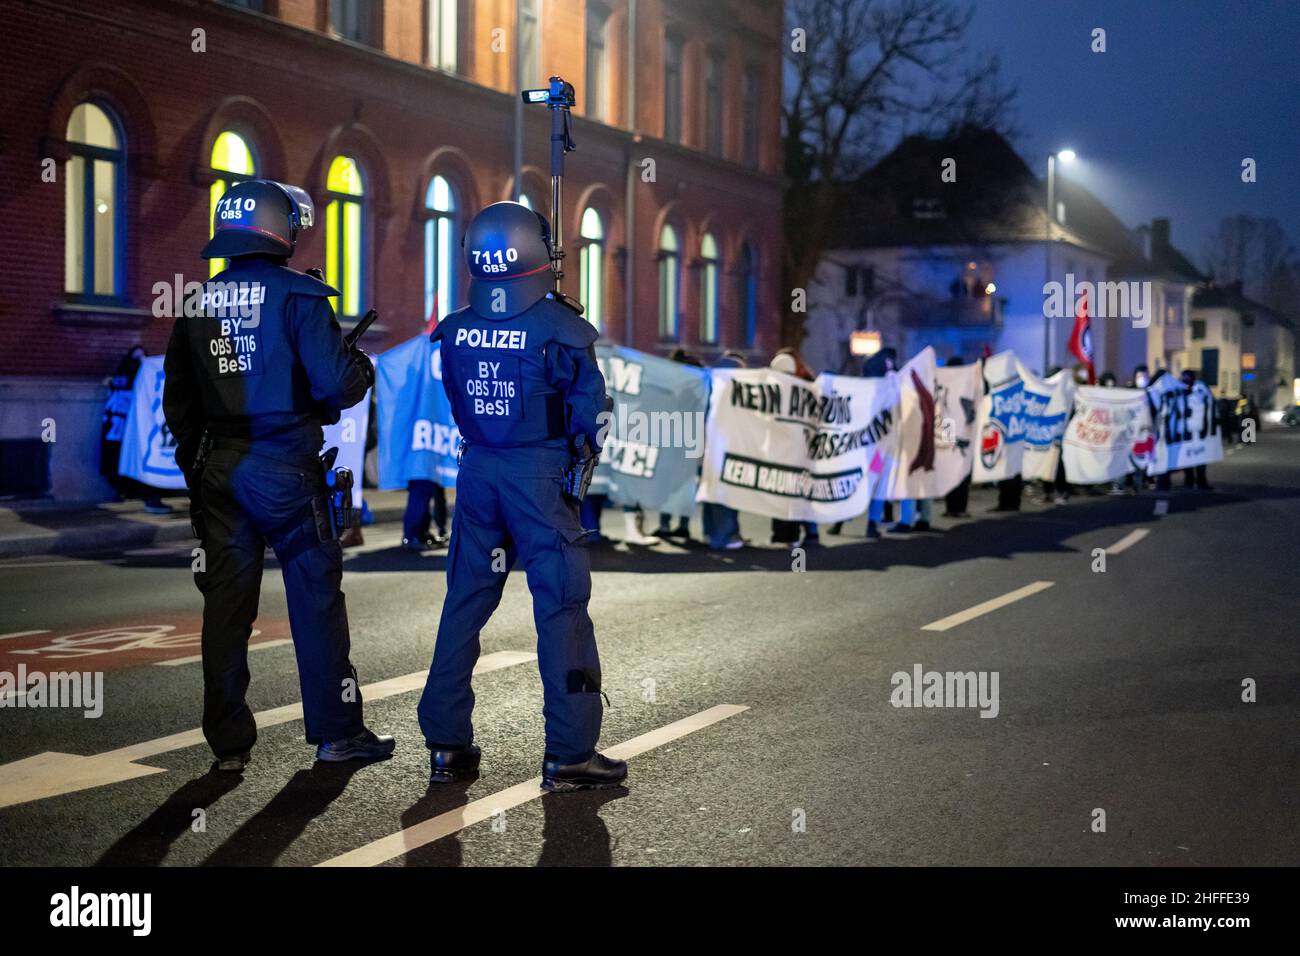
(1118,691)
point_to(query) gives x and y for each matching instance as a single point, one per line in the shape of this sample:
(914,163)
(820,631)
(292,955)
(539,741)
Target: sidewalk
(38,527)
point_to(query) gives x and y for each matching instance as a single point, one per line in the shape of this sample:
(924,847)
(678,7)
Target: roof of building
(902,201)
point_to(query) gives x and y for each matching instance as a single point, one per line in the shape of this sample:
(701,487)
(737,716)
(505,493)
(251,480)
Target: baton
(351,339)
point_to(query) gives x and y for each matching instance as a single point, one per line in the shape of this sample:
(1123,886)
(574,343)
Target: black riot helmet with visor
(259,217)
(508,253)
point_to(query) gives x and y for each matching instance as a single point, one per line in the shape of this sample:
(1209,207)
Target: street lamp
(1065,156)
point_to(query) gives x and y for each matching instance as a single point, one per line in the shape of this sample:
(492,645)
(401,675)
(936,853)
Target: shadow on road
(573,834)
(149,842)
(438,799)
(273,829)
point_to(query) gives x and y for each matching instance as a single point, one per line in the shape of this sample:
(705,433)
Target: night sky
(1162,119)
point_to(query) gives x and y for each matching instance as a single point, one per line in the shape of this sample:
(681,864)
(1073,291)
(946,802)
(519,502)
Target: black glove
(577,478)
(367,368)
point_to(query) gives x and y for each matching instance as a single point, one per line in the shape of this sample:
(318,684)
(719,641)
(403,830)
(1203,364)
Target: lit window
(673,88)
(749,292)
(93,215)
(669,272)
(442,43)
(708,288)
(597,62)
(232,160)
(344,231)
(439,248)
(591,268)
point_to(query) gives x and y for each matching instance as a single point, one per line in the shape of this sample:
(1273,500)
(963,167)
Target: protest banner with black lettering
(800,451)
(1186,425)
(655,436)
(1110,435)
(1021,421)
(417,434)
(936,428)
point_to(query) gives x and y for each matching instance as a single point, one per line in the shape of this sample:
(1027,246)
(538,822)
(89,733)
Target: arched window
(748,293)
(233,162)
(93,219)
(669,273)
(708,288)
(591,268)
(439,248)
(344,235)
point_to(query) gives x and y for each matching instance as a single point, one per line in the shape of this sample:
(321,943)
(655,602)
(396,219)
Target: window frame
(362,202)
(116,158)
(673,90)
(585,269)
(748,281)
(433,56)
(227,176)
(675,276)
(596,105)
(431,218)
(715,82)
(710,286)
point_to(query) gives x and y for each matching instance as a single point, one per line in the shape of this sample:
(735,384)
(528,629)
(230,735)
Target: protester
(722,524)
(1195,477)
(789,361)
(957,500)
(117,406)
(415,522)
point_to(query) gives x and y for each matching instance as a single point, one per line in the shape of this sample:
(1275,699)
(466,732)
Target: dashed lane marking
(1126,542)
(979,610)
(444,824)
(52,774)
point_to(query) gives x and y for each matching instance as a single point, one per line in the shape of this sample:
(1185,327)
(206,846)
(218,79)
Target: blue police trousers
(510,505)
(251,501)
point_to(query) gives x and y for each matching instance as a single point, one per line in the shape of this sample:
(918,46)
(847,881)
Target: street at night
(1119,690)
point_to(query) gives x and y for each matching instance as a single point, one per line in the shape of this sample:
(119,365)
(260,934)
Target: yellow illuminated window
(230,155)
(344,227)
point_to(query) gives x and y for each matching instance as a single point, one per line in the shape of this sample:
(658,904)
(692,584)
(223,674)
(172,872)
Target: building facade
(126,122)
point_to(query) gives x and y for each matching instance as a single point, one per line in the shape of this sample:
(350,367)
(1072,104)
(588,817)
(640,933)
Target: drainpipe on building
(629,185)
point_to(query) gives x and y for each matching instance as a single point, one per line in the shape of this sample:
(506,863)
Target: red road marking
(115,646)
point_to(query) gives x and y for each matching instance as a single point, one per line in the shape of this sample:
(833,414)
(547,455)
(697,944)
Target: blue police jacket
(258,357)
(526,379)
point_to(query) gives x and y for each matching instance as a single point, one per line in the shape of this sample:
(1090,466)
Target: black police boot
(450,764)
(366,745)
(234,763)
(597,772)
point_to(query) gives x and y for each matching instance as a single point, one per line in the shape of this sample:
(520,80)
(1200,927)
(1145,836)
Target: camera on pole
(559,99)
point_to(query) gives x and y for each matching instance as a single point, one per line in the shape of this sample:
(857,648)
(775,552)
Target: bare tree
(1258,254)
(860,73)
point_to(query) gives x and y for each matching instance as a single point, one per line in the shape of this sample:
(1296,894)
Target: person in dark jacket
(255,367)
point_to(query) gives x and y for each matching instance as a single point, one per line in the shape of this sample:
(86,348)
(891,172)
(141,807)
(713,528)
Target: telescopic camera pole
(559,99)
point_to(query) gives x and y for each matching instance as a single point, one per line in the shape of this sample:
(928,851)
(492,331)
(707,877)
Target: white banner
(148,448)
(801,451)
(1109,436)
(149,451)
(1186,425)
(1021,421)
(936,428)
(348,434)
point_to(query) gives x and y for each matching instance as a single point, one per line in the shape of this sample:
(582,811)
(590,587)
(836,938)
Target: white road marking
(53,774)
(1126,542)
(5,637)
(979,610)
(444,824)
(196,658)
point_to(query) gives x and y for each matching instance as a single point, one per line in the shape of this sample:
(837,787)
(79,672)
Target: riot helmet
(508,252)
(259,216)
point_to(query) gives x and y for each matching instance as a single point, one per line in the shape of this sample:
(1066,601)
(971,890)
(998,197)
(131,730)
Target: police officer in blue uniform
(519,369)
(255,366)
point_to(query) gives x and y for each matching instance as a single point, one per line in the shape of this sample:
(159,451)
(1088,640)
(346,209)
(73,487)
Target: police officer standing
(519,369)
(255,366)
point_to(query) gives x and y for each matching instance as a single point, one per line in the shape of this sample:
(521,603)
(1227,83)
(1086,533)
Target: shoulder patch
(303,284)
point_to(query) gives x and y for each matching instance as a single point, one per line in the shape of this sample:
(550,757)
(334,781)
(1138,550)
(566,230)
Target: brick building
(125,120)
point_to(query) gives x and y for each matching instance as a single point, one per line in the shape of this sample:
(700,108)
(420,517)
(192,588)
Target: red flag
(1081,338)
(432,323)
